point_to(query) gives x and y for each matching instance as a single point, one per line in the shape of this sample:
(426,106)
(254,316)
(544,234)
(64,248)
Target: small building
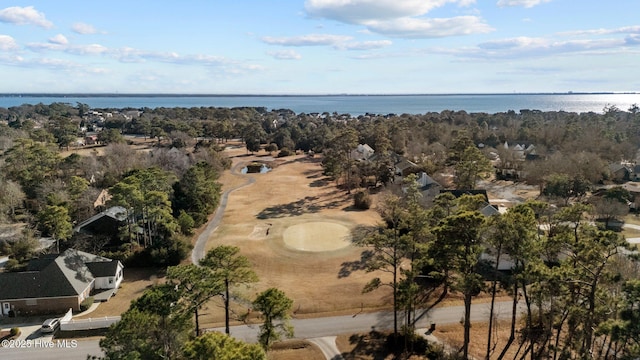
(91,139)
(54,283)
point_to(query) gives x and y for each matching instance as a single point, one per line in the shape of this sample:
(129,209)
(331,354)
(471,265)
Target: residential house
(91,139)
(104,223)
(55,283)
(404,167)
(634,191)
(620,172)
(429,188)
(510,160)
(362,152)
(486,209)
(102,199)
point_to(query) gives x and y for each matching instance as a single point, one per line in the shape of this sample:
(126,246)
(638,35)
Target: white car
(50,325)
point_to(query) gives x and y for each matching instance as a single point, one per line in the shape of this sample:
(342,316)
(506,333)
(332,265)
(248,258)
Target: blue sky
(319,46)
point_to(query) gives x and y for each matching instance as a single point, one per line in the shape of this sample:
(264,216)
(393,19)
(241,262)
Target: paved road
(348,324)
(318,330)
(201,243)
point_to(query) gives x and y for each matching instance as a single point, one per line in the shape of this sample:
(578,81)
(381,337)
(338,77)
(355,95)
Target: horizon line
(161,94)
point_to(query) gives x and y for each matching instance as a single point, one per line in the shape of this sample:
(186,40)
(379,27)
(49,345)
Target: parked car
(50,325)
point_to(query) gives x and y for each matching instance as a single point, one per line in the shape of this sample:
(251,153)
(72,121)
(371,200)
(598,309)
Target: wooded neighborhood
(150,180)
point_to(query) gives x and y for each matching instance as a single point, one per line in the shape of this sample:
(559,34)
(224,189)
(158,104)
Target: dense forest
(577,278)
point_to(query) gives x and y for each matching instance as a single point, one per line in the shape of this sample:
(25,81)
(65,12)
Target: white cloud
(307,40)
(99,71)
(338,42)
(7,43)
(285,55)
(59,39)
(364,45)
(83,29)
(526,47)
(621,30)
(60,44)
(131,55)
(358,11)
(430,28)
(46,46)
(24,16)
(90,49)
(57,63)
(525,3)
(403,19)
(519,42)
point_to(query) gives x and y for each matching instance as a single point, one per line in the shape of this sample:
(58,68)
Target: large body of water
(350,104)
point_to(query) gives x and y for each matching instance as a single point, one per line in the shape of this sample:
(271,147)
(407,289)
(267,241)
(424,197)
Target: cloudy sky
(319,46)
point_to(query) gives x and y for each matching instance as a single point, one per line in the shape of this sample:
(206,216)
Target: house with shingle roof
(620,172)
(105,223)
(362,152)
(55,283)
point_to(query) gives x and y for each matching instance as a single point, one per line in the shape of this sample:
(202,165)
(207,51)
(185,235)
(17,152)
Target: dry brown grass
(136,280)
(453,336)
(369,346)
(295,350)
(632,219)
(294,192)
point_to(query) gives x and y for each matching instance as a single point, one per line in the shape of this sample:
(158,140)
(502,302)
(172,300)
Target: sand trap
(317,236)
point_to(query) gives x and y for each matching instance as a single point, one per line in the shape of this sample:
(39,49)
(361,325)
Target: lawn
(135,281)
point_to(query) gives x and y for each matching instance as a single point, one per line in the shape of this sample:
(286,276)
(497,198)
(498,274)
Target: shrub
(284,152)
(362,200)
(273,147)
(86,304)
(186,223)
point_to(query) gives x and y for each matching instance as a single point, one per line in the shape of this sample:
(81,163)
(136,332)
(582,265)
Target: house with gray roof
(55,283)
(362,152)
(105,223)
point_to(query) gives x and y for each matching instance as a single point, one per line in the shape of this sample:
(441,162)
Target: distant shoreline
(353,104)
(160,95)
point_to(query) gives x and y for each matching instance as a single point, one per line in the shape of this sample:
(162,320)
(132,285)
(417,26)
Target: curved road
(201,243)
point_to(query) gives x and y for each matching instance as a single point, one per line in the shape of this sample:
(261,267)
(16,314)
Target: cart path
(327,345)
(200,246)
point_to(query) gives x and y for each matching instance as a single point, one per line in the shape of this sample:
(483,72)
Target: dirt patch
(506,194)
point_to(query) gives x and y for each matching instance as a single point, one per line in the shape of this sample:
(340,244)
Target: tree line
(166,192)
(578,282)
(170,314)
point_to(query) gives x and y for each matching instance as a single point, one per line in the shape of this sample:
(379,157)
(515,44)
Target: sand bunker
(317,236)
